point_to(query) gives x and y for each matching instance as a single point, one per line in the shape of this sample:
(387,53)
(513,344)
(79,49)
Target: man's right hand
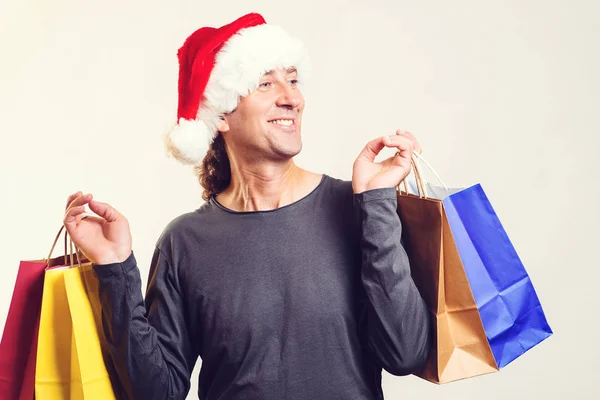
(103,239)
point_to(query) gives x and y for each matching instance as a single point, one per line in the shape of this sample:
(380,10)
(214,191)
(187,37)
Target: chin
(286,150)
(290,152)
(287,145)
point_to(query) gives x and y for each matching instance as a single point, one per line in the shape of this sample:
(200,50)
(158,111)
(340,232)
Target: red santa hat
(217,66)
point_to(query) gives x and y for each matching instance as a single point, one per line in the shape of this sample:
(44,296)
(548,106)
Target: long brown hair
(214,173)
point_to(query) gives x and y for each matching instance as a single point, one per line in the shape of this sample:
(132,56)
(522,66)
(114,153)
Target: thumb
(104,210)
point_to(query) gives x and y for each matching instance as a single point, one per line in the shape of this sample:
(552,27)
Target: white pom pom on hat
(189,141)
(217,66)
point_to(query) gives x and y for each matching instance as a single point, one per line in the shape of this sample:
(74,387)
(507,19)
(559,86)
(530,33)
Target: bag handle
(421,188)
(419,179)
(420,157)
(71,244)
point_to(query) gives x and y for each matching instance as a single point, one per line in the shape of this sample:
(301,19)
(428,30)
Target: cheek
(256,113)
(247,117)
(252,121)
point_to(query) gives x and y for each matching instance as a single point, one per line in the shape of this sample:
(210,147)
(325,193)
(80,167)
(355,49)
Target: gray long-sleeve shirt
(307,301)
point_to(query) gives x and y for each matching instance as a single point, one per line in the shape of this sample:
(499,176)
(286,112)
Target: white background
(505,93)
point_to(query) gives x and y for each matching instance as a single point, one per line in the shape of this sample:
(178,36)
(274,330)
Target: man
(286,283)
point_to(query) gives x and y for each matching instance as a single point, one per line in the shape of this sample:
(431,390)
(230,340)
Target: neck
(265,186)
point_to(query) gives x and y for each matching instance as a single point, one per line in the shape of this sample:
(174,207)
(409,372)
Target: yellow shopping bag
(70,364)
(91,378)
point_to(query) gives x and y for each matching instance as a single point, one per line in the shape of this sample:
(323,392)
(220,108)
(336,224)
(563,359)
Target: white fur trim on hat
(245,58)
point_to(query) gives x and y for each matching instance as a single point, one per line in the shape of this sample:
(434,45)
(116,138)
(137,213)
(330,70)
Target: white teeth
(285,122)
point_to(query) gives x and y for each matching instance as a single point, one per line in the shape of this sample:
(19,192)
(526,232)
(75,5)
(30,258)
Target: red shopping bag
(20,331)
(18,347)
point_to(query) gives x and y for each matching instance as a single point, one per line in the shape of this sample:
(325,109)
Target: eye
(294,82)
(266,84)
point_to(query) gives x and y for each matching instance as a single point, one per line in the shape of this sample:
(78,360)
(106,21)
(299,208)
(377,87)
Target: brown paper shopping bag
(460,349)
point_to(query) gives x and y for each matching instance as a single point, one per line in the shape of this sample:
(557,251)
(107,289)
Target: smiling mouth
(282,122)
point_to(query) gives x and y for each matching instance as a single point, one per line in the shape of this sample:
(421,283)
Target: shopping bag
(90,379)
(460,348)
(510,309)
(18,347)
(70,361)
(508,306)
(20,330)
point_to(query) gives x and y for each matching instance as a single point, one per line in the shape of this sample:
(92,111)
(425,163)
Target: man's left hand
(367,174)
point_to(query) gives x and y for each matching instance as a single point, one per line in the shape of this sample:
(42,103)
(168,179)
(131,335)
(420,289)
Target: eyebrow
(290,70)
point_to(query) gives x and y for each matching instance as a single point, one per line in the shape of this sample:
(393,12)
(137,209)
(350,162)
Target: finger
(400,142)
(403,144)
(75,211)
(71,198)
(89,217)
(73,216)
(372,148)
(411,137)
(80,200)
(80,218)
(105,211)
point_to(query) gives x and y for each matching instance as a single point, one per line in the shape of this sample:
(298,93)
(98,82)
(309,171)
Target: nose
(289,96)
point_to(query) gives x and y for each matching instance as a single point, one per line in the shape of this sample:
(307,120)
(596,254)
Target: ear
(223,125)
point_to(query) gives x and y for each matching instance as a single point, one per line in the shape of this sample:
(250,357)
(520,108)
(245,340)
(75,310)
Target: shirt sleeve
(148,340)
(399,322)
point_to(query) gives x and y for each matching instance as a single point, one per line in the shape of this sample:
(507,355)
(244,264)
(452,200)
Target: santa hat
(217,66)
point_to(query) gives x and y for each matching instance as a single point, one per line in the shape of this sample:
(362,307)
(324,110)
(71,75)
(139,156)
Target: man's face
(267,122)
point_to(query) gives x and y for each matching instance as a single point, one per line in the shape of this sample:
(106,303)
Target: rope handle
(71,244)
(419,179)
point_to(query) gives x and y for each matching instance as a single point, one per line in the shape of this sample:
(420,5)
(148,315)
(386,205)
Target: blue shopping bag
(511,313)
(510,310)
